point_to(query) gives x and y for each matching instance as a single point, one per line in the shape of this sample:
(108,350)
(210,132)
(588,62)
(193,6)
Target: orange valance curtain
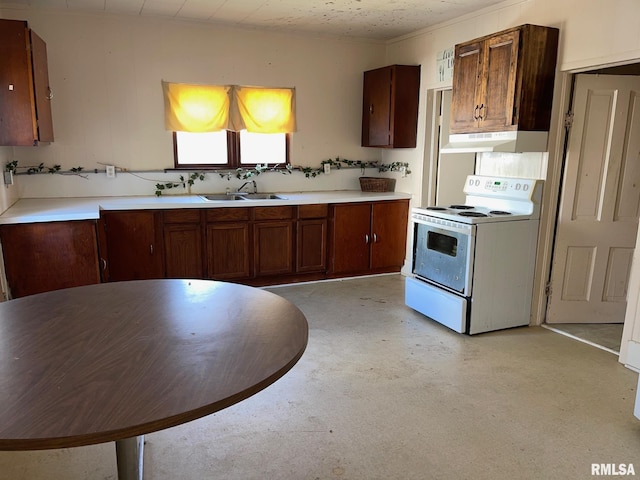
(195,108)
(211,108)
(264,110)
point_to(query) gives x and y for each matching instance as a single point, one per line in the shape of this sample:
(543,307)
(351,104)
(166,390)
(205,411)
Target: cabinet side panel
(405,97)
(538,67)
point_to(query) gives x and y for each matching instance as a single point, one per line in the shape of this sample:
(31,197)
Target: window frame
(233,155)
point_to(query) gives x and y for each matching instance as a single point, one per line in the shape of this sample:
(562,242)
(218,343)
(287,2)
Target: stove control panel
(519,188)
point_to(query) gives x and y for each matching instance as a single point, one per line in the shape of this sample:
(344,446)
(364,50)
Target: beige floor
(384,393)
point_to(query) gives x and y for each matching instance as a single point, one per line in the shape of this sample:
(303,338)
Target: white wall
(105,72)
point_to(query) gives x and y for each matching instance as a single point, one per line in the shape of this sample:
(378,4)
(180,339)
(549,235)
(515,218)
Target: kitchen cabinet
(504,81)
(368,237)
(390,106)
(182,231)
(273,240)
(227,243)
(40,257)
(25,95)
(133,244)
(311,238)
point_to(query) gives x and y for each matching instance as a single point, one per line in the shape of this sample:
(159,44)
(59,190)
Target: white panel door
(600,203)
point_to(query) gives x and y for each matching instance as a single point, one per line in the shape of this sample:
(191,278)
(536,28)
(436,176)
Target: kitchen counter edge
(35,210)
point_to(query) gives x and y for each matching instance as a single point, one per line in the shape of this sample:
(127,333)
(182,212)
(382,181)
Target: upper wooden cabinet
(504,81)
(390,106)
(25,96)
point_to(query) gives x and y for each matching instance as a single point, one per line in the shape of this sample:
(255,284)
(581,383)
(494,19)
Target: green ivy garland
(239,173)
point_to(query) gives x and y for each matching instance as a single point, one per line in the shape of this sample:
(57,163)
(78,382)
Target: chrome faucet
(255,186)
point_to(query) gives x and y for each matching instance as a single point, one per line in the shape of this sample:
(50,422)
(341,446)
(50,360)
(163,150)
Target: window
(226,149)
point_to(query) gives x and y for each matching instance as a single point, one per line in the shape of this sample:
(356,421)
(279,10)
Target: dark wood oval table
(115,361)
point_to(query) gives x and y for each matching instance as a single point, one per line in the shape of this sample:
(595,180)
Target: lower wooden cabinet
(368,237)
(133,245)
(40,257)
(227,243)
(254,245)
(311,238)
(273,241)
(182,232)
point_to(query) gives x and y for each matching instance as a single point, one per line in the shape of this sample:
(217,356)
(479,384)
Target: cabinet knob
(49,93)
(366,238)
(480,116)
(375,238)
(151,248)
(371,109)
(475,112)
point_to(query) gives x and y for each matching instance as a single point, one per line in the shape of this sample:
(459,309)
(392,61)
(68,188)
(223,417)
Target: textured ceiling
(373,19)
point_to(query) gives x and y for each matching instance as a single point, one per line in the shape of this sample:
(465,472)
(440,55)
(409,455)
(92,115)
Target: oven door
(443,254)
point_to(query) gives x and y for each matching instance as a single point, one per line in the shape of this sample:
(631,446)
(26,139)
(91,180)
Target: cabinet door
(183,251)
(273,248)
(311,240)
(467,89)
(40,257)
(134,245)
(23,82)
(228,251)
(41,89)
(496,108)
(389,234)
(376,107)
(351,234)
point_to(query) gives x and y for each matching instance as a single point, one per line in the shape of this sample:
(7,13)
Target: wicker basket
(377,184)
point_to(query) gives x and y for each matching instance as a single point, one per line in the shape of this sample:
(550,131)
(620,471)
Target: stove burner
(461,207)
(499,212)
(473,214)
(436,208)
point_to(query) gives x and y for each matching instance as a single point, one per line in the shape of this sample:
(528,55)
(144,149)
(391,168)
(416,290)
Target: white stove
(473,264)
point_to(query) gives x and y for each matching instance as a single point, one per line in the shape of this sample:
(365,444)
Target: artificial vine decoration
(338,163)
(245,173)
(160,187)
(32,170)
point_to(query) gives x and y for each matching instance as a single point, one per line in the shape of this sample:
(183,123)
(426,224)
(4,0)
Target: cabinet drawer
(228,214)
(318,210)
(178,215)
(272,213)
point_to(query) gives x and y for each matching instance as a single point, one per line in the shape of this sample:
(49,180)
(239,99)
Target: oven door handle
(448,229)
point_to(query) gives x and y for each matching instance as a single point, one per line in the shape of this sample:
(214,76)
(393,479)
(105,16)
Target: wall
(105,72)
(8,193)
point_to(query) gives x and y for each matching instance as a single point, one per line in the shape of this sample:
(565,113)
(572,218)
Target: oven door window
(441,243)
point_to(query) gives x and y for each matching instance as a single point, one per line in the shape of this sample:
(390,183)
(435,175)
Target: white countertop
(32,210)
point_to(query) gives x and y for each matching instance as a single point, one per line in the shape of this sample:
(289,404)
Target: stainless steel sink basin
(228,197)
(263,196)
(221,197)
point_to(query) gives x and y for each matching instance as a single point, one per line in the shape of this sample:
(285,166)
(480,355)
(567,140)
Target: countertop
(32,210)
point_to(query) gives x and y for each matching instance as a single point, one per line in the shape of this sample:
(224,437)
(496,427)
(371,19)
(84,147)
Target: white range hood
(512,142)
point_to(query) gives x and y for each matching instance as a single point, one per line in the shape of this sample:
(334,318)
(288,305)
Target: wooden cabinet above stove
(504,81)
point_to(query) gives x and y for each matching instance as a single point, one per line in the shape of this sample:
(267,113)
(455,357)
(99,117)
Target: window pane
(202,148)
(263,148)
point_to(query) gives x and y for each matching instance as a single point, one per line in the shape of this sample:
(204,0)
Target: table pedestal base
(130,458)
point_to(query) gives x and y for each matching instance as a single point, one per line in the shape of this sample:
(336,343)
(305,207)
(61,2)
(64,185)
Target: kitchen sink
(227,197)
(221,197)
(263,196)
